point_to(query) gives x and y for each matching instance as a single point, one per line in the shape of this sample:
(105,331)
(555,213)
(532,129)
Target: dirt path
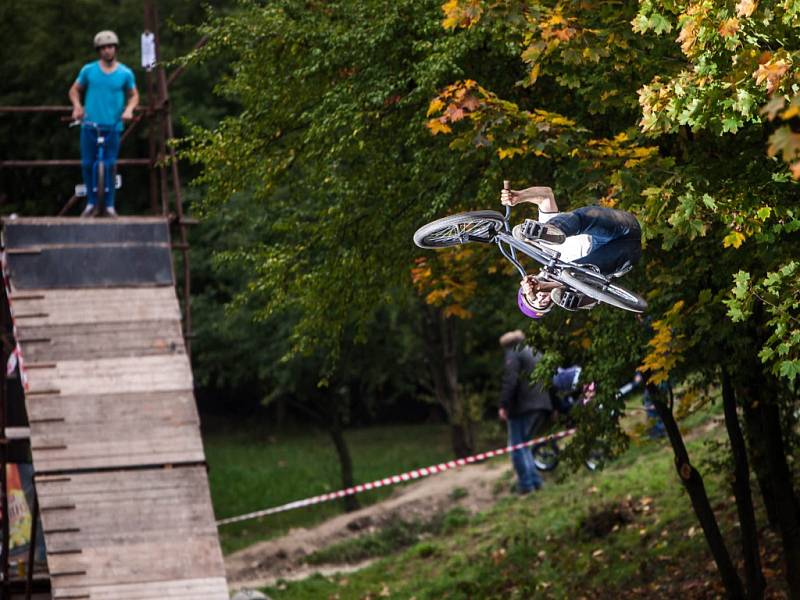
(282,558)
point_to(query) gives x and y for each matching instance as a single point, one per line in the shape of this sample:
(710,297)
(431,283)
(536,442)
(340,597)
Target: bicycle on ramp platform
(492,227)
(103,172)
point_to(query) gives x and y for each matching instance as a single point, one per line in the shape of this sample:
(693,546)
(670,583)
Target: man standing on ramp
(111,97)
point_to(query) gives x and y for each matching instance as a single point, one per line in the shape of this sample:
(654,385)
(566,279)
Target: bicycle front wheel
(481,225)
(603,290)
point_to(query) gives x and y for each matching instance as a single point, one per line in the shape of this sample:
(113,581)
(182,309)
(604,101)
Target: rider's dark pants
(89,156)
(616,235)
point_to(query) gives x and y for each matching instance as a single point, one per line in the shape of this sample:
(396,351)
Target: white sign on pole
(148,50)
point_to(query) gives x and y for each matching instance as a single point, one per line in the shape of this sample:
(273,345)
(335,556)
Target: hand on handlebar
(77,113)
(509,197)
(542,196)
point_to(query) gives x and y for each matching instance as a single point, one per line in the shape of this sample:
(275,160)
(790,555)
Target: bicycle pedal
(532,230)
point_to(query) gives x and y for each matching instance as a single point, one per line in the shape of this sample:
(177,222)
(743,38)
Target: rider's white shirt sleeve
(575,247)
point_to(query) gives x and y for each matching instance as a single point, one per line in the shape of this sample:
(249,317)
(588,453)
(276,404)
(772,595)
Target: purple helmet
(528,310)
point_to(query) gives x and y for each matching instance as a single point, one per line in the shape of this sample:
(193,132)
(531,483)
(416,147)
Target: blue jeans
(521,428)
(616,235)
(89,156)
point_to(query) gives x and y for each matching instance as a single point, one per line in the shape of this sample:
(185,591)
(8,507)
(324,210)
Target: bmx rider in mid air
(606,238)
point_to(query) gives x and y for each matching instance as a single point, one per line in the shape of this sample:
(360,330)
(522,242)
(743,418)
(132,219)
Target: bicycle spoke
(459,230)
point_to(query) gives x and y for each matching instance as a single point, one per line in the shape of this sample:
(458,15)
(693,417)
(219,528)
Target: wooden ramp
(120,469)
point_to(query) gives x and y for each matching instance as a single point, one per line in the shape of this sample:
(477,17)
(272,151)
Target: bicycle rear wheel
(101,186)
(545,456)
(601,289)
(453,230)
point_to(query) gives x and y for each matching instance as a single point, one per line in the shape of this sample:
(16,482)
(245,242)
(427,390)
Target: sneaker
(89,211)
(533,231)
(111,212)
(572,301)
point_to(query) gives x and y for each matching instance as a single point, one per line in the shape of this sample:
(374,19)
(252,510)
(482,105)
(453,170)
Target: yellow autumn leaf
(534,74)
(437,296)
(436,127)
(771,72)
(734,238)
(745,8)
(450,10)
(688,36)
(435,105)
(729,27)
(792,111)
(504,153)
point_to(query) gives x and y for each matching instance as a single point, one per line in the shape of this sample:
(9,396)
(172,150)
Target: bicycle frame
(548,258)
(100,155)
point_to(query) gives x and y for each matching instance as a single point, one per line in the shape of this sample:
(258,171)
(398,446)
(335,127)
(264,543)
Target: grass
(251,470)
(627,532)
(394,536)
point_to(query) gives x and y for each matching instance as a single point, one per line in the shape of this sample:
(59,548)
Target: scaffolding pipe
(70,162)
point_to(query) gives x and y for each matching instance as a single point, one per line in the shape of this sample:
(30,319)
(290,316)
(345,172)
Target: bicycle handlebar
(93,125)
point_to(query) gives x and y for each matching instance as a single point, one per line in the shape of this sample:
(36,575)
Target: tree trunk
(755,436)
(754,578)
(761,396)
(441,342)
(693,483)
(461,441)
(780,478)
(346,463)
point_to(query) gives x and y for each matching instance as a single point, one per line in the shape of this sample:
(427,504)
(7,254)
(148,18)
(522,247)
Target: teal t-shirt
(106,93)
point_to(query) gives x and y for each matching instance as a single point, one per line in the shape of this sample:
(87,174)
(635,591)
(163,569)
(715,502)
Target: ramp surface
(120,468)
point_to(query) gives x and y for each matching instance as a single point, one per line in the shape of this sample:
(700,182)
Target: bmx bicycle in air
(492,227)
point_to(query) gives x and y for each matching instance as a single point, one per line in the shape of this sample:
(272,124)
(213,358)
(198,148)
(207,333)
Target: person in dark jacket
(524,407)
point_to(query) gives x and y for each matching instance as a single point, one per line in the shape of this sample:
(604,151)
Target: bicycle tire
(449,231)
(603,290)
(545,456)
(101,186)
(595,460)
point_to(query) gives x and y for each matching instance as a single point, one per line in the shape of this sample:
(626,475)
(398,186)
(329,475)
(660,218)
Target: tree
(682,145)
(332,147)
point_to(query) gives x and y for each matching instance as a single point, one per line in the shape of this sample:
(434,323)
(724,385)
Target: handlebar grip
(506,184)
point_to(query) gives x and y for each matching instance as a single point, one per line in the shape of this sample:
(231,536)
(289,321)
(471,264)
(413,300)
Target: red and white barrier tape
(17,351)
(394,479)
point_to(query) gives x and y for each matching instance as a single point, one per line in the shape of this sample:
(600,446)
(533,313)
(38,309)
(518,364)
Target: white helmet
(105,38)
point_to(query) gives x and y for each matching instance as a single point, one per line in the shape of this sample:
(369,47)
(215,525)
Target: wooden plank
(159,560)
(143,527)
(85,341)
(109,305)
(101,457)
(114,375)
(189,589)
(96,459)
(127,410)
